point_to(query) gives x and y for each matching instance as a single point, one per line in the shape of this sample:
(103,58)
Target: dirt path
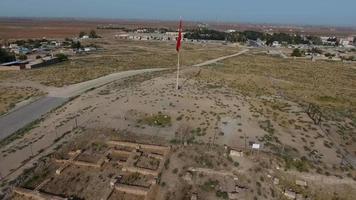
(323,179)
(220,58)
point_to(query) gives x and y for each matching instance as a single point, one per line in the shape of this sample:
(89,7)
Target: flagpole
(177,86)
(179,40)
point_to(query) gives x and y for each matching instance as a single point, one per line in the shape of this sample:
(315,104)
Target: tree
(22,57)
(205,34)
(93,34)
(236,37)
(254,35)
(297,53)
(315,40)
(76,45)
(81,34)
(5,56)
(62,57)
(316,50)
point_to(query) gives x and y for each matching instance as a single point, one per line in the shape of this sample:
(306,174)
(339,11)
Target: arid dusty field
(248,126)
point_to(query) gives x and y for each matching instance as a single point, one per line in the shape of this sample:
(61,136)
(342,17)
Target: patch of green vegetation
(326,98)
(158,119)
(175,141)
(99,146)
(222,194)
(302,165)
(204,160)
(35,179)
(209,185)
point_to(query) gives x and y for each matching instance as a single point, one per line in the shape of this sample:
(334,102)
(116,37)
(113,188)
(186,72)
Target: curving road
(19,118)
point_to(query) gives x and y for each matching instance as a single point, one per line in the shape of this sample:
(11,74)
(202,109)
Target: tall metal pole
(177,86)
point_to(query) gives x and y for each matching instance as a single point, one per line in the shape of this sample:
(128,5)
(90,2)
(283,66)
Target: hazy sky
(324,12)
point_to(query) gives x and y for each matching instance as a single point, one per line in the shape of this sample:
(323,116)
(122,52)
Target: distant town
(35,53)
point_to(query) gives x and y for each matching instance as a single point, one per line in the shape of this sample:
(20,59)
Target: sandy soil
(208,115)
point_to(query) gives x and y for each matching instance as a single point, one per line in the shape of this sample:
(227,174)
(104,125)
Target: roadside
(26,114)
(27,150)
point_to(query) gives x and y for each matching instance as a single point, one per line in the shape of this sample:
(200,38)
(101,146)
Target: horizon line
(188,20)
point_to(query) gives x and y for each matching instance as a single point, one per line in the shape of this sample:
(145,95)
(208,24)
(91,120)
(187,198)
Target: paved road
(14,121)
(19,118)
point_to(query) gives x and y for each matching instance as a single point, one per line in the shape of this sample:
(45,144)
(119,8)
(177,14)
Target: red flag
(179,39)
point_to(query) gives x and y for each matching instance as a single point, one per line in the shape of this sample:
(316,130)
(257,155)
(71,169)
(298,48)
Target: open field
(217,107)
(137,137)
(12,95)
(325,83)
(118,55)
(280,88)
(23,28)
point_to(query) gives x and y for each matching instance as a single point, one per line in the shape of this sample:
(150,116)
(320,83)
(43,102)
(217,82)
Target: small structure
(276,44)
(14,65)
(133,151)
(289,194)
(301,183)
(194,197)
(256,146)
(43,62)
(188,177)
(230,31)
(276,181)
(236,153)
(233,195)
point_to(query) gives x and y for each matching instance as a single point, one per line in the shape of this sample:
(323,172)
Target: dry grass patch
(325,83)
(119,55)
(10,96)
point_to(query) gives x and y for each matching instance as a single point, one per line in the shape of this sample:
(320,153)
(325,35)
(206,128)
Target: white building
(276,44)
(230,31)
(347,41)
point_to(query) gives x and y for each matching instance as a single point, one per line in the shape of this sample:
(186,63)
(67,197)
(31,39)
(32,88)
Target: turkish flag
(179,39)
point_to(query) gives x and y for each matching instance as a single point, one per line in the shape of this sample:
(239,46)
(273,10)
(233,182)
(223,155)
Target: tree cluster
(92,34)
(6,56)
(284,38)
(297,53)
(62,57)
(30,43)
(205,34)
(76,45)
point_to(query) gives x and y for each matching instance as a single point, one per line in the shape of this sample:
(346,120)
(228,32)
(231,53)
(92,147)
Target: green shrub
(62,57)
(158,120)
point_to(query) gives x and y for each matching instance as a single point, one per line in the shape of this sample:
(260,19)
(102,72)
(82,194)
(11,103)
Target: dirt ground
(232,104)
(17,28)
(118,55)
(209,115)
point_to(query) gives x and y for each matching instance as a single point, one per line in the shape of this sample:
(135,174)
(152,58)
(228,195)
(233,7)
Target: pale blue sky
(323,12)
